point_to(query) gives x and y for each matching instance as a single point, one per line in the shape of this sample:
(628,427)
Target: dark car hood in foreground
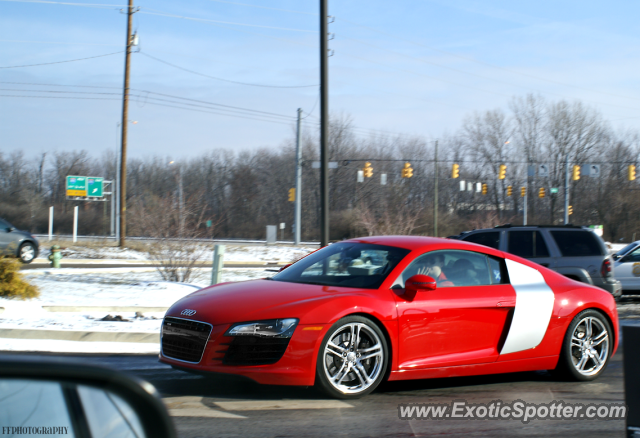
(254,300)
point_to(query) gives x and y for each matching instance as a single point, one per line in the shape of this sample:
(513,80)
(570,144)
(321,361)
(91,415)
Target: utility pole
(125,116)
(566,189)
(298,208)
(435,195)
(324,124)
(526,198)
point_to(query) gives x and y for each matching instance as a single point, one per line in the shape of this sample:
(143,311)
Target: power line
(61,62)
(218,104)
(57,42)
(225,80)
(266,7)
(88,5)
(163,14)
(60,97)
(57,85)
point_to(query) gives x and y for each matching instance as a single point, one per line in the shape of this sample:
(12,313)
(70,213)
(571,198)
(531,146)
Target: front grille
(255,350)
(183,339)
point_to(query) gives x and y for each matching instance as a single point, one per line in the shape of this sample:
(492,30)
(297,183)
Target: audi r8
(361,311)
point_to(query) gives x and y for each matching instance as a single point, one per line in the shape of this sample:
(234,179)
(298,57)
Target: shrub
(12,285)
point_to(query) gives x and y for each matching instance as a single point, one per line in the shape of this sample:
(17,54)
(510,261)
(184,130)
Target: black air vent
(255,350)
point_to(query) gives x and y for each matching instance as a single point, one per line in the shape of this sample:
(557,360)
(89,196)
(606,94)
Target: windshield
(626,249)
(345,264)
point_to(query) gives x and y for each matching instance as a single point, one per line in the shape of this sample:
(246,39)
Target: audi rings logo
(188,312)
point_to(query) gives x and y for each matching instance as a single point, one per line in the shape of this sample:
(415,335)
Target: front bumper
(296,367)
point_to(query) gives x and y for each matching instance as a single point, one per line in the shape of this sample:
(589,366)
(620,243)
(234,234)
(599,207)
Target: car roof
(423,242)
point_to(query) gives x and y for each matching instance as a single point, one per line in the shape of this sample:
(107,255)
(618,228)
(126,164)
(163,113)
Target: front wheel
(27,252)
(353,358)
(587,346)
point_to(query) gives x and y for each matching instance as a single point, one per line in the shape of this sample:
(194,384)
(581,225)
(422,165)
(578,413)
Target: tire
(349,371)
(27,252)
(587,347)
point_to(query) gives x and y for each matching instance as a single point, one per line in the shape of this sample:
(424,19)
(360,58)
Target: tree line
(239,193)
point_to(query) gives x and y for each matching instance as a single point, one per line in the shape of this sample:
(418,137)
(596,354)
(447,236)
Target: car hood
(255,300)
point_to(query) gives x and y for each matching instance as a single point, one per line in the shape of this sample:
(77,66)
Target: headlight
(277,328)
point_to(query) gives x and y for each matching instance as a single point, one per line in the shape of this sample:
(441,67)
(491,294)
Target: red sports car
(360,311)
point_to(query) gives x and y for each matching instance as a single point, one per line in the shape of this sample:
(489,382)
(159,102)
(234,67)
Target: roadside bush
(12,285)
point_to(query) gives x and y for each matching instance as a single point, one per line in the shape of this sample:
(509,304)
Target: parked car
(626,263)
(16,243)
(573,251)
(361,311)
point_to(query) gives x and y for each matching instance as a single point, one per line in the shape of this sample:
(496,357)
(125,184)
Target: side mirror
(80,400)
(420,283)
(10,229)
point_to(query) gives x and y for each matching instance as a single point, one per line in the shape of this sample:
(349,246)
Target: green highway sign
(76,186)
(94,187)
(84,187)
(554,190)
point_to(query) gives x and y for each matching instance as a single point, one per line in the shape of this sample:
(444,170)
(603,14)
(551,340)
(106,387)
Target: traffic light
(631,172)
(368,170)
(292,195)
(570,210)
(509,190)
(523,192)
(455,171)
(503,171)
(407,172)
(484,189)
(541,192)
(576,172)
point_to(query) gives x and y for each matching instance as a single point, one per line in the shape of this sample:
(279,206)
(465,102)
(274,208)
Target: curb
(82,336)
(114,309)
(206,263)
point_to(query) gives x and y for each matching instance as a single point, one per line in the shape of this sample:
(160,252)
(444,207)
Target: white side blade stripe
(534,305)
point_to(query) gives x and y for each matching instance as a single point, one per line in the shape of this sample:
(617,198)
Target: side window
(454,268)
(578,243)
(498,271)
(527,244)
(633,257)
(490,239)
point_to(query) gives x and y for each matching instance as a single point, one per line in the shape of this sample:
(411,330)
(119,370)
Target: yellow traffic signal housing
(631,172)
(484,189)
(368,170)
(407,172)
(570,210)
(509,190)
(503,171)
(455,171)
(576,172)
(523,192)
(292,195)
(541,192)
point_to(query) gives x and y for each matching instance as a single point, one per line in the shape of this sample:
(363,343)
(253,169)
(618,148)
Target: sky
(214,74)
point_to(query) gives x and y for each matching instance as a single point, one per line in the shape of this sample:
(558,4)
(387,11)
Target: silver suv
(576,252)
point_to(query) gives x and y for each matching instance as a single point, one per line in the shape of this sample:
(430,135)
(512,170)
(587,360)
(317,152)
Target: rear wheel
(587,346)
(27,252)
(353,358)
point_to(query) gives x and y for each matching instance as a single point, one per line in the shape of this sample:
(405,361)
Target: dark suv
(576,252)
(17,243)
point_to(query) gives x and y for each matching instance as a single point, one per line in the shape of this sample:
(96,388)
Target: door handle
(507,303)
